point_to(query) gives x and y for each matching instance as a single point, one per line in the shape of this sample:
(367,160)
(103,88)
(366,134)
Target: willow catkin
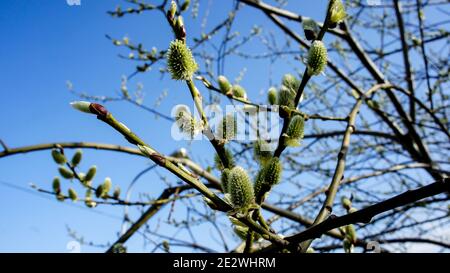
(180,61)
(317,58)
(240,188)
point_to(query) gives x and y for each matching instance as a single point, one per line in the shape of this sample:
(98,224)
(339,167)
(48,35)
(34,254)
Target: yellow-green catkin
(76,159)
(291,82)
(260,185)
(239,92)
(295,131)
(317,58)
(58,157)
(73,194)
(228,128)
(91,173)
(224,85)
(56,185)
(67,174)
(337,11)
(180,61)
(272,96)
(273,171)
(262,151)
(286,97)
(240,188)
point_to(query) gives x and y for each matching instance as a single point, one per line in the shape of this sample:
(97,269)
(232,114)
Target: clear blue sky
(44,44)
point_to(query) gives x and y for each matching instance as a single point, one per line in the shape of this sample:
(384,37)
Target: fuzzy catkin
(317,58)
(180,61)
(240,188)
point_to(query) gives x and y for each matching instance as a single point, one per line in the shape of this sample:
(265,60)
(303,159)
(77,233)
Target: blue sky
(47,42)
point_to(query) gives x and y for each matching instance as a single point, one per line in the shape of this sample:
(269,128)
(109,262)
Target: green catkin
(91,173)
(56,185)
(295,131)
(229,157)
(58,157)
(99,191)
(286,97)
(273,171)
(180,61)
(259,184)
(317,58)
(224,85)
(291,82)
(272,96)
(67,174)
(107,184)
(262,151)
(240,188)
(76,159)
(239,92)
(224,180)
(228,128)
(185,122)
(73,194)
(337,12)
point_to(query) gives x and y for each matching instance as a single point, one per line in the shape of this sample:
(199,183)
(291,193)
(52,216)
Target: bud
(346,203)
(241,232)
(73,195)
(67,174)
(56,185)
(99,191)
(310,250)
(224,180)
(181,63)
(286,97)
(172,10)
(82,106)
(348,246)
(91,173)
(272,96)
(185,5)
(317,58)
(116,193)
(273,171)
(352,210)
(310,28)
(179,24)
(295,131)
(240,188)
(210,203)
(239,92)
(106,186)
(58,157)
(76,159)
(224,84)
(337,12)
(228,128)
(351,233)
(262,151)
